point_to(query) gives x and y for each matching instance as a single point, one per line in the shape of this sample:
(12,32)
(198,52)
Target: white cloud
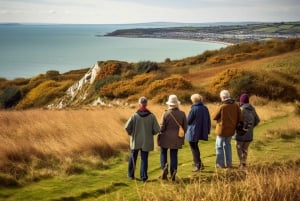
(129,11)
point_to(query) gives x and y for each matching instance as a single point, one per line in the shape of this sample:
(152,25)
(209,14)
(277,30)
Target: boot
(173,176)
(164,175)
(198,167)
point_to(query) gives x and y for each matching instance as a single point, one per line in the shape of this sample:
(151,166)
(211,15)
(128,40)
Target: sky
(137,11)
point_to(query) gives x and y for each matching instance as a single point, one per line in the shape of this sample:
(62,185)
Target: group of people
(143,125)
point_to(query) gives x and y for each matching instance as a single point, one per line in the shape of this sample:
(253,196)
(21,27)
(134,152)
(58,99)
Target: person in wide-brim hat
(172,119)
(173,101)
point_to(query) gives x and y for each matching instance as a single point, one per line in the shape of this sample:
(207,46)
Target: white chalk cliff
(78,91)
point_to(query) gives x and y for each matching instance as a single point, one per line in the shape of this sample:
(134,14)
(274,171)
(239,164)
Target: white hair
(224,94)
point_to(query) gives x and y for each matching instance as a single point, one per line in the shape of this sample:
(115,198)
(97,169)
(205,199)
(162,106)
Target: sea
(27,50)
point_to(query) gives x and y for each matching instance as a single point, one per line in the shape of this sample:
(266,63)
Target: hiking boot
(198,168)
(164,175)
(173,176)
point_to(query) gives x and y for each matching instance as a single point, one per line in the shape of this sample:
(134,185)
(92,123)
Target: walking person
(141,127)
(199,124)
(168,137)
(227,117)
(250,120)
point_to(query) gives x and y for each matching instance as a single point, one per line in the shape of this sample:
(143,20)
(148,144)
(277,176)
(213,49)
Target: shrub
(52,74)
(264,84)
(10,96)
(108,69)
(172,83)
(146,66)
(125,88)
(106,80)
(44,93)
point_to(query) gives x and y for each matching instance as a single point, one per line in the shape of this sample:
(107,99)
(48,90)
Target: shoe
(164,175)
(131,178)
(198,168)
(242,165)
(173,176)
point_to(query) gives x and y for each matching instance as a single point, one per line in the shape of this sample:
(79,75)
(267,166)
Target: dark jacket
(250,119)
(199,123)
(168,137)
(227,117)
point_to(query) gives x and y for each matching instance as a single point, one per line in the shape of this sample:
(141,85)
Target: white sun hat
(173,100)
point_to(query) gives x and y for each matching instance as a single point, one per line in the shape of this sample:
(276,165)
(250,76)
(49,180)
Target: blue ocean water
(27,50)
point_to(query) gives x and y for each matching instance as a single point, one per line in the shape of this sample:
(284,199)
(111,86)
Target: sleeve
(156,127)
(208,120)
(129,125)
(163,123)
(217,115)
(184,122)
(190,117)
(256,119)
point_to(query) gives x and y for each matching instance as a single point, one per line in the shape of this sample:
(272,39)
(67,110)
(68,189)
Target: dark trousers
(173,159)
(144,164)
(196,153)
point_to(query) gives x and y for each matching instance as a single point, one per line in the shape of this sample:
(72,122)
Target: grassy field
(82,155)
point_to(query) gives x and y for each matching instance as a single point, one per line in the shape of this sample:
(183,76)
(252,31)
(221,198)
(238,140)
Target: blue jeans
(223,152)
(132,164)
(173,159)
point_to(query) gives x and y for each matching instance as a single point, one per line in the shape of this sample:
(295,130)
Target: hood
(247,106)
(143,113)
(228,101)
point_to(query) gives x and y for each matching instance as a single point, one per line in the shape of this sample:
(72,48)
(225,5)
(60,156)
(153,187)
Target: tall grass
(39,144)
(47,140)
(266,182)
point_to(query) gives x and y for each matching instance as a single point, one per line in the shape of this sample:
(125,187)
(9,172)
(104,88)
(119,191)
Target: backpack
(241,129)
(249,121)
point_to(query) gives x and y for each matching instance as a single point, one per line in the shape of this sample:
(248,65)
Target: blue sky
(134,11)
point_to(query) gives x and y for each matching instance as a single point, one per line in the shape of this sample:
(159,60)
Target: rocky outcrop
(79,91)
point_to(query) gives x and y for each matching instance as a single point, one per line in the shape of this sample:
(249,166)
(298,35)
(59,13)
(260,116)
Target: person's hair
(143,101)
(196,98)
(224,94)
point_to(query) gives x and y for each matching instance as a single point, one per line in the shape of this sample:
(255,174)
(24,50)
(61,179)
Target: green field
(112,183)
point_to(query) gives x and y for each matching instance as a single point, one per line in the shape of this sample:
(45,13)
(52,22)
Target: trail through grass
(112,183)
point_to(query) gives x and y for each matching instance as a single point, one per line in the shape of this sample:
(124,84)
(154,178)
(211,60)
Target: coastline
(171,38)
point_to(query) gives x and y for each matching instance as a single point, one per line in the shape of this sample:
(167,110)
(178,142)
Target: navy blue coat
(198,123)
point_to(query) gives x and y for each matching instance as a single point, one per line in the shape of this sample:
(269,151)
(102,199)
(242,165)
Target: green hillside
(267,69)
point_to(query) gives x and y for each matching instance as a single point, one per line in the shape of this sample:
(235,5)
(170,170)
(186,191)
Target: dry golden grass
(65,132)
(49,140)
(61,134)
(268,182)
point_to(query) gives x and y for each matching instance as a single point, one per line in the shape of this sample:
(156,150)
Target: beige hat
(173,100)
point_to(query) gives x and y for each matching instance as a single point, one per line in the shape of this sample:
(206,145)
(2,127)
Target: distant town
(223,33)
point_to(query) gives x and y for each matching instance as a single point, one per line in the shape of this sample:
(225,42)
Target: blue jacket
(198,123)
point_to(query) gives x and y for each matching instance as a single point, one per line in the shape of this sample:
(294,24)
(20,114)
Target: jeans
(132,164)
(196,153)
(223,152)
(173,159)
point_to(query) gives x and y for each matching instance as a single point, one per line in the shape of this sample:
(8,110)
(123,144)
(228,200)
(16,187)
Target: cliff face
(79,91)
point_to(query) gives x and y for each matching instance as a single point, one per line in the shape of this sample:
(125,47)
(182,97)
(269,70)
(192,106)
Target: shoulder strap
(174,119)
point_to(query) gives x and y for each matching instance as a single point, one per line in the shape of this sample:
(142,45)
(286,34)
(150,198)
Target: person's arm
(156,127)
(217,115)
(129,125)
